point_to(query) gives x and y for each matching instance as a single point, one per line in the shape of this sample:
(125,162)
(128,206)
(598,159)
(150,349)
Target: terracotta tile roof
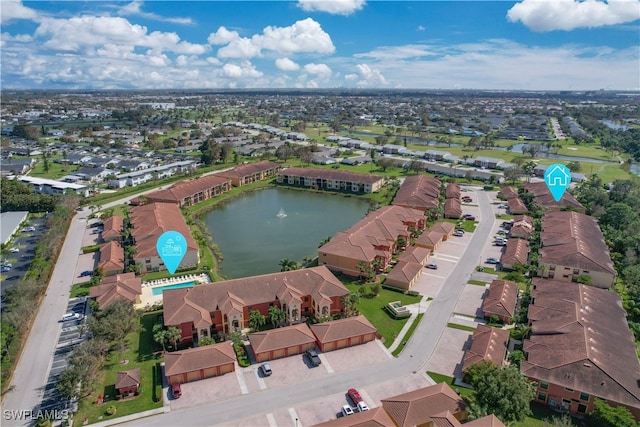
(487,344)
(429,238)
(183,189)
(111,257)
(419,406)
(332,174)
(150,221)
(452,191)
(128,378)
(379,228)
(574,240)
(405,271)
(415,254)
(509,193)
(112,227)
(517,206)
(342,329)
(120,286)
(443,227)
(452,208)
(375,417)
(522,226)
(581,340)
(275,339)
(445,419)
(488,421)
(195,304)
(249,169)
(501,299)
(517,251)
(544,198)
(194,359)
(418,192)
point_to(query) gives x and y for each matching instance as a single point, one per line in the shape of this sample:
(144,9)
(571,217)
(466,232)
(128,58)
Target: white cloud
(83,33)
(20,38)
(336,7)
(14,10)
(305,36)
(397,52)
(370,77)
(135,8)
(244,70)
(421,28)
(223,36)
(285,64)
(549,15)
(321,70)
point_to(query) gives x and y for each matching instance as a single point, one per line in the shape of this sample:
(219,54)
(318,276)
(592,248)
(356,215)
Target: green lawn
(140,355)
(373,309)
(461,327)
(465,393)
(409,333)
(476,282)
(80,289)
(56,170)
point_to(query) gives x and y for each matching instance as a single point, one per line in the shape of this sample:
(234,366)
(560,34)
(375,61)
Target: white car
(362,407)
(347,410)
(14,250)
(71,316)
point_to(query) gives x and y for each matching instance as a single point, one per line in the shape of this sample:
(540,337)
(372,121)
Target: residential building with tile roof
(573,245)
(517,206)
(111,258)
(452,208)
(516,252)
(250,172)
(207,309)
(199,363)
(452,191)
(281,342)
(509,193)
(418,192)
(127,382)
(192,191)
(522,227)
(120,286)
(341,333)
(404,274)
(501,300)
(375,237)
(112,228)
(487,345)
(580,348)
(148,222)
(331,179)
(415,254)
(544,198)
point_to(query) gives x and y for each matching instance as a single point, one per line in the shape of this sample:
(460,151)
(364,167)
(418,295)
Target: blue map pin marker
(557,177)
(171,246)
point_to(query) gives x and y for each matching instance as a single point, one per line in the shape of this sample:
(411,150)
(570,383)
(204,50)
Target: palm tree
(161,336)
(256,319)
(276,315)
(173,335)
(287,264)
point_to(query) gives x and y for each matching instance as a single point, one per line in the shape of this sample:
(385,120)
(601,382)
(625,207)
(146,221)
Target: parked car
(469,217)
(266,369)
(492,260)
(500,243)
(467,199)
(86,273)
(14,250)
(503,206)
(354,395)
(458,233)
(71,316)
(347,410)
(29,229)
(313,357)
(96,231)
(432,266)
(5,269)
(176,390)
(362,406)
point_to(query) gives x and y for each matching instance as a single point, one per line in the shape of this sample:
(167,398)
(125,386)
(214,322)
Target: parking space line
(326,364)
(435,275)
(271,420)
(294,417)
(241,382)
(446,257)
(261,382)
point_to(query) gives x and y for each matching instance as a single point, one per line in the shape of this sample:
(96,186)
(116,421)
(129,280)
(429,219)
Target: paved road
(412,360)
(30,376)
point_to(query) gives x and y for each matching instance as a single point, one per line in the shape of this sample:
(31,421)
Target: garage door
(210,372)
(225,369)
(354,341)
(277,354)
(193,376)
(330,346)
(343,343)
(293,350)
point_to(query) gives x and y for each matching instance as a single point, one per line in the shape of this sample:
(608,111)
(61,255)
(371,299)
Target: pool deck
(147,299)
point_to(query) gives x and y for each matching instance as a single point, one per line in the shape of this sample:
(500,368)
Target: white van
(71,316)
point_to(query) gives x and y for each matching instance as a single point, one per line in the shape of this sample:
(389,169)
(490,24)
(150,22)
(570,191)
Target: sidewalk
(415,309)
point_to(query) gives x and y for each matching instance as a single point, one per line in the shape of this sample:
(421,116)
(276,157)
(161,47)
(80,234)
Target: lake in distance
(253,237)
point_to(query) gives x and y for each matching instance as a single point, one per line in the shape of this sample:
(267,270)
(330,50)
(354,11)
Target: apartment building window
(542,396)
(568,389)
(552,267)
(148,261)
(544,385)
(576,271)
(582,409)
(584,396)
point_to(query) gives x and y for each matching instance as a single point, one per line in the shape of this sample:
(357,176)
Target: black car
(313,357)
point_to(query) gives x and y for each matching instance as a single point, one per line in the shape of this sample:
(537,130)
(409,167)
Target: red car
(354,395)
(176,391)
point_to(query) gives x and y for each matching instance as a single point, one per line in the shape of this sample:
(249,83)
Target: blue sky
(527,45)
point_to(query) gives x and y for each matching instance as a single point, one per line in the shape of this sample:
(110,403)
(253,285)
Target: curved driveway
(412,360)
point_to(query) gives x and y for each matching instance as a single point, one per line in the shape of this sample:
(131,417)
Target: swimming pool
(155,291)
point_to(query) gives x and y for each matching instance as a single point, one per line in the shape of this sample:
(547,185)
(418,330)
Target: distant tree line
(18,196)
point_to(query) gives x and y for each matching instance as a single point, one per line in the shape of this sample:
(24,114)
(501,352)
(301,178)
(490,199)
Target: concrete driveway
(470,301)
(447,359)
(86,262)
